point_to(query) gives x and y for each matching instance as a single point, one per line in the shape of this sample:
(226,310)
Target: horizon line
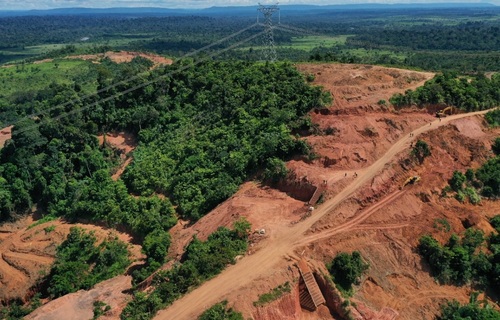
(422,2)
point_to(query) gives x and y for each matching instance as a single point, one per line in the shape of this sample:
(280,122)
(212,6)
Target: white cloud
(50,4)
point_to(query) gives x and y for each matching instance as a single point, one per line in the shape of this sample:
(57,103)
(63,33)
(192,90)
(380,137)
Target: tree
(346,269)
(421,150)
(495,222)
(275,170)
(496,146)
(454,311)
(489,175)
(220,312)
(457,181)
(156,245)
(242,228)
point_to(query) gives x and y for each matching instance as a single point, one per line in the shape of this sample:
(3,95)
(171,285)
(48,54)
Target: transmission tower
(268,12)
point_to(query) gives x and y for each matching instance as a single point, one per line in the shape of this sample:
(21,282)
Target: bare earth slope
(260,263)
(28,253)
(370,213)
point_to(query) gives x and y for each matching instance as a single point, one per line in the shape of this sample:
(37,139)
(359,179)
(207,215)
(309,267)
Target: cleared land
(286,239)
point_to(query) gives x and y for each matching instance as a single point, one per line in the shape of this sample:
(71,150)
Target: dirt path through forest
(286,239)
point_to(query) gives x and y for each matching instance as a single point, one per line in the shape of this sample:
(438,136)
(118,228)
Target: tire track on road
(365,214)
(250,267)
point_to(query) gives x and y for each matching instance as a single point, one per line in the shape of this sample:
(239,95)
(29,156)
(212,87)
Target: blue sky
(49,4)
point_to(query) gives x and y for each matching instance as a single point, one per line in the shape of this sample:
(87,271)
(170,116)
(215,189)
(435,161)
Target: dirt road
(285,240)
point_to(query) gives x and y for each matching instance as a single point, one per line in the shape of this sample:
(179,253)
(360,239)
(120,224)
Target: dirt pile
(80,305)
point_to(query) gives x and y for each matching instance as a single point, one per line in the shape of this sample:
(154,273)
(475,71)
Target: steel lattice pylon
(268,12)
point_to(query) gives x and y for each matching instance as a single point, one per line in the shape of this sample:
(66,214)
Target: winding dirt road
(285,240)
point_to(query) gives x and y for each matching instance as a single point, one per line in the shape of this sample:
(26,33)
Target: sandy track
(365,214)
(10,276)
(121,169)
(251,267)
(30,257)
(381,226)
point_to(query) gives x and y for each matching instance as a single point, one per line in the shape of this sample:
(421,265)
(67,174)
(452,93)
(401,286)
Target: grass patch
(442,224)
(275,294)
(309,42)
(49,229)
(33,77)
(46,218)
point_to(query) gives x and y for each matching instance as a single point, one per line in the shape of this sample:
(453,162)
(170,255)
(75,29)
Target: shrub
(220,312)
(457,181)
(474,198)
(495,222)
(460,196)
(442,225)
(496,146)
(346,269)
(275,294)
(275,170)
(454,311)
(493,117)
(421,150)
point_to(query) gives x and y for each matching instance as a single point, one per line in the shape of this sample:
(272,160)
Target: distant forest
(457,38)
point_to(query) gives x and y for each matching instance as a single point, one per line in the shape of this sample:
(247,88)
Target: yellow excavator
(448,111)
(411,180)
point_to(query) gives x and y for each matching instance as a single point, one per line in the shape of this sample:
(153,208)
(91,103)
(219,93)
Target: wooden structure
(311,297)
(317,193)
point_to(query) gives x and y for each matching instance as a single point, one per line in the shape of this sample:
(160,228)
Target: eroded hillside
(363,151)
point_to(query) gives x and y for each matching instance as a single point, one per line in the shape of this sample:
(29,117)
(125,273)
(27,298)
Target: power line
(268,12)
(121,93)
(303,31)
(122,82)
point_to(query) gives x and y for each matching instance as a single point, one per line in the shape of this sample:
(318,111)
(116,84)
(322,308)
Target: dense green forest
(216,122)
(448,89)
(461,39)
(201,131)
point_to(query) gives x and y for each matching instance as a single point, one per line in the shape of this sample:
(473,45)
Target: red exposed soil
(115,56)
(123,56)
(28,253)
(264,207)
(370,212)
(127,56)
(359,88)
(125,143)
(5,134)
(79,305)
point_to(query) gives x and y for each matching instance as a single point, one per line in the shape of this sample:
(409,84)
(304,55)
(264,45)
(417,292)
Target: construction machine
(411,180)
(445,112)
